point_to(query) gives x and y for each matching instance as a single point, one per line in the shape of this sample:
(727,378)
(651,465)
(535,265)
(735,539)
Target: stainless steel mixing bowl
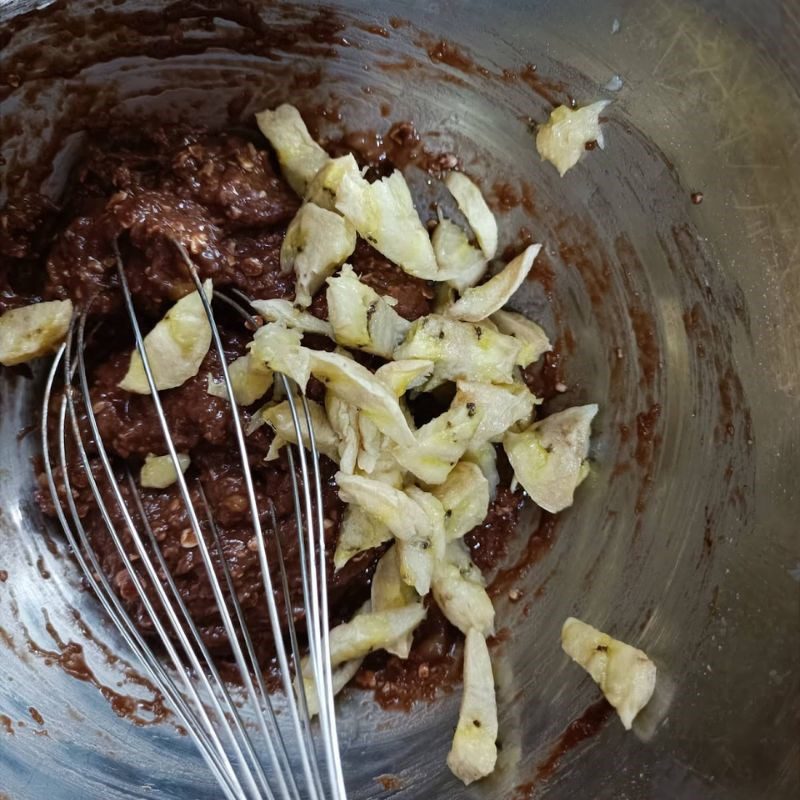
(684,540)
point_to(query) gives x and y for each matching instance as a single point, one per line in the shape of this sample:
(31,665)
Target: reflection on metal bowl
(679,317)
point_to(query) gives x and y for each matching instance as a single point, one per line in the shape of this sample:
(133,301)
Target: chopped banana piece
(419,555)
(458,588)
(441,443)
(317,242)
(340,677)
(32,331)
(444,295)
(388,471)
(460,264)
(341,674)
(548,456)
(383,213)
(281,350)
(344,420)
(175,347)
(562,139)
(417,563)
(482,301)
(372,442)
(625,675)
(275,447)
(389,590)
(378,459)
(358,532)
(292,317)
(474,752)
(361,317)
(461,350)
(251,380)
(300,157)
(357,386)
(404,517)
(534,339)
(402,376)
(473,206)
(499,406)
(434,511)
(158,472)
(349,305)
(484,456)
(256,421)
(372,631)
(279,418)
(323,188)
(465,499)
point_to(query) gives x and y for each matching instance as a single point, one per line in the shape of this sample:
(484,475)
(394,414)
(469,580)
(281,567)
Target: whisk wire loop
(196,691)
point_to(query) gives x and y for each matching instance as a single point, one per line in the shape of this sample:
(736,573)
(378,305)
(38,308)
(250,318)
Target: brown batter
(222,196)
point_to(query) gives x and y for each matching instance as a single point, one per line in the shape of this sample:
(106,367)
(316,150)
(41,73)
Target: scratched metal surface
(684,544)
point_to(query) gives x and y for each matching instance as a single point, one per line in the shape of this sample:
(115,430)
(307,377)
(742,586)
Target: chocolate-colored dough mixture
(222,196)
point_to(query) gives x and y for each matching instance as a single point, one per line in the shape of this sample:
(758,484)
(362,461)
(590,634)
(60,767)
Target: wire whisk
(249,762)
